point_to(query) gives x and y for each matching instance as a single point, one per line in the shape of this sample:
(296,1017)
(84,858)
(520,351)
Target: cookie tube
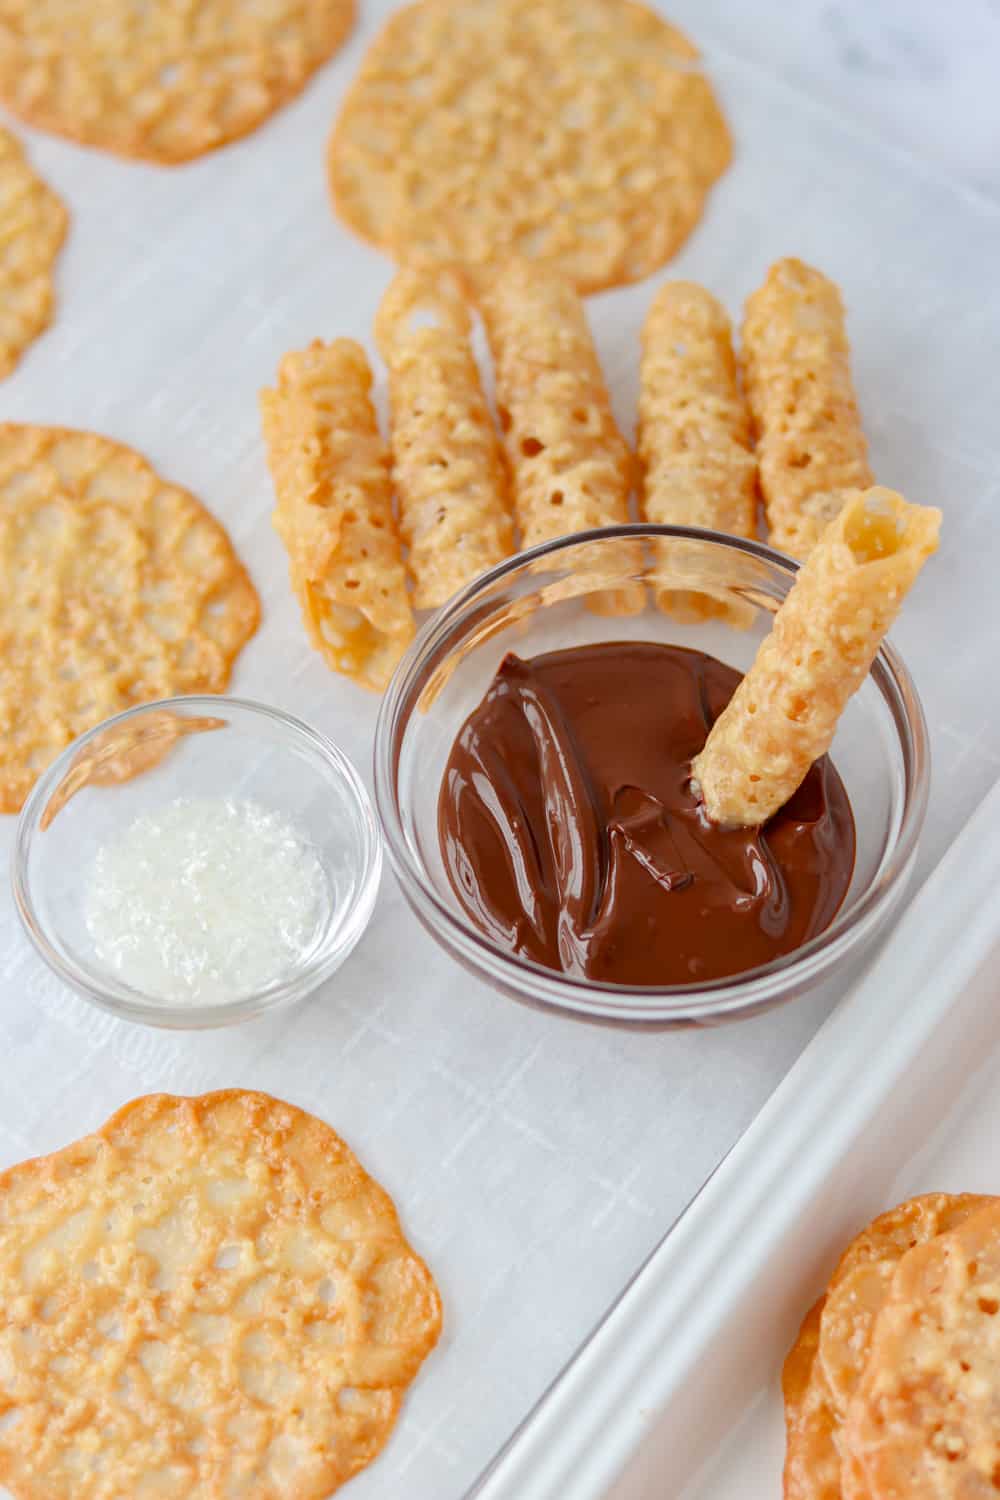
(570,467)
(694,427)
(698,468)
(446,462)
(334,509)
(824,638)
(796,365)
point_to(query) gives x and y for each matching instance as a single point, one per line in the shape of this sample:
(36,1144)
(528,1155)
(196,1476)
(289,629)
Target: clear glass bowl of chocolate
(197,862)
(593,666)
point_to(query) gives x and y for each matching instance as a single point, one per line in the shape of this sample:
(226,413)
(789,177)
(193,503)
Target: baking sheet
(956,1154)
(945,1142)
(535,1162)
(684,1371)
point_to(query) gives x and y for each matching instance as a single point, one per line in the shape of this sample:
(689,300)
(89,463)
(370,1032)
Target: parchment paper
(535,1162)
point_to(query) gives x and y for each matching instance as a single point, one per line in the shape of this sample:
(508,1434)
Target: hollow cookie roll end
(784,713)
(334,509)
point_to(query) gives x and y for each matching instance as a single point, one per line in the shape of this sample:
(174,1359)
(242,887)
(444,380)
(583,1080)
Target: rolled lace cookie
(334,509)
(447,468)
(796,362)
(570,467)
(695,453)
(698,467)
(210,1297)
(165,81)
(32,229)
(579,132)
(821,645)
(116,588)
(924,1422)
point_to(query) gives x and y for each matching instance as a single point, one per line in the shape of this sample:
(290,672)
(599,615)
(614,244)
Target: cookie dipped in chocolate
(571,835)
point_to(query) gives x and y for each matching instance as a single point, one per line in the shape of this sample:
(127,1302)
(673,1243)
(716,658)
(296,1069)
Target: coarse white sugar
(206,900)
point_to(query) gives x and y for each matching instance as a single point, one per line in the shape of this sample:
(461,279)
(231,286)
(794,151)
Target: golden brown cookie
(32,228)
(694,426)
(853,1483)
(165,81)
(124,750)
(578,132)
(695,451)
(924,1423)
(570,467)
(811,448)
(861,1282)
(783,715)
(334,509)
(447,468)
(209,1297)
(831,1352)
(812,1462)
(116,588)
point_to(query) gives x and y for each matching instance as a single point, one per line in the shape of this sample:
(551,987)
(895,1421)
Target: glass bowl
(719,595)
(139,762)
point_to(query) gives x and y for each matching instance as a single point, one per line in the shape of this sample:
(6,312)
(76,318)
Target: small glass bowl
(194,747)
(720,596)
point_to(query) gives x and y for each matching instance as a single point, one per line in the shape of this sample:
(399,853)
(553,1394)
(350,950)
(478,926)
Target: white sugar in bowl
(197,861)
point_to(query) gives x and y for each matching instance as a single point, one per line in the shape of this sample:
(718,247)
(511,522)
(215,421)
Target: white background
(535,1162)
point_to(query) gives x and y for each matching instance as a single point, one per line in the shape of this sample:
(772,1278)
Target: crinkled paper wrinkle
(447,467)
(784,713)
(334,509)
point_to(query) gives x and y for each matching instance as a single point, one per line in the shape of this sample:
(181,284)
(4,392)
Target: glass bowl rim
(129,1003)
(636,1005)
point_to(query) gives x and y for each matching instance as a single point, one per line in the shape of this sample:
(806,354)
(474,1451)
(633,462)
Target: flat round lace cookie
(209,1297)
(861,1283)
(812,1463)
(828,1358)
(165,81)
(116,588)
(32,228)
(578,132)
(924,1423)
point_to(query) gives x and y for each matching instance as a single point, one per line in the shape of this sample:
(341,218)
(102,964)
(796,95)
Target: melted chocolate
(571,835)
